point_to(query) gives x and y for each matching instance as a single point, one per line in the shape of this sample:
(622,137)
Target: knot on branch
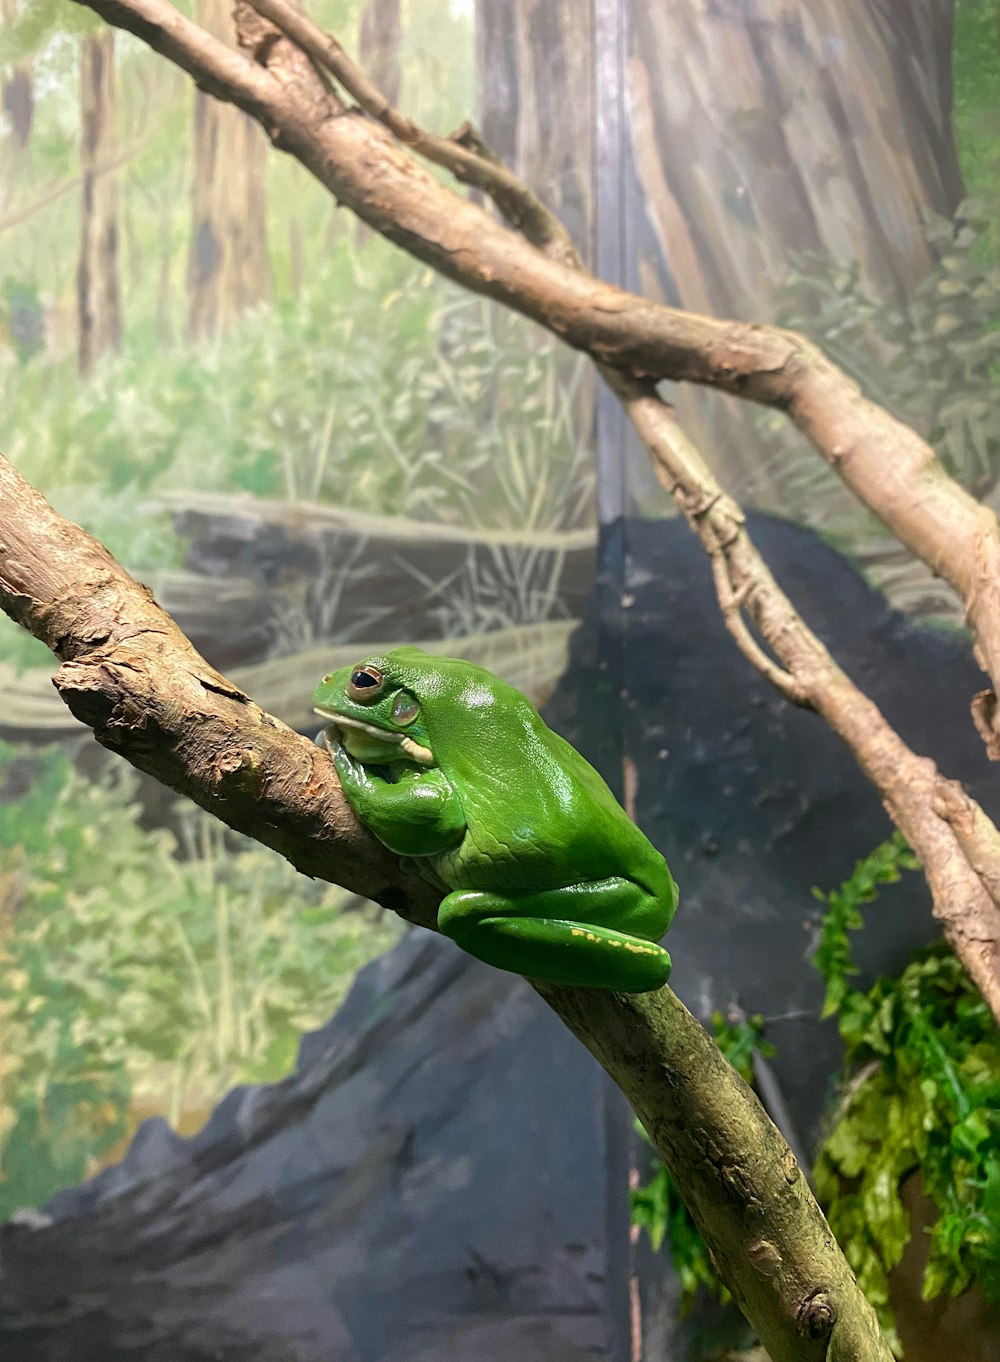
(765,1257)
(984,716)
(469,137)
(255,34)
(816,1316)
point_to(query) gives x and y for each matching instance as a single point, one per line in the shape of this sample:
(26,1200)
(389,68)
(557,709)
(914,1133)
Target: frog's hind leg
(541,936)
(614,902)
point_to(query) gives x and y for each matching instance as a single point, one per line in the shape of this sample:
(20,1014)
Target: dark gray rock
(753,801)
(430,1184)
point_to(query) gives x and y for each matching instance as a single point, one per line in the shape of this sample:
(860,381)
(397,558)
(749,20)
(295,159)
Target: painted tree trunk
(17,89)
(17,102)
(535,77)
(378,56)
(768,132)
(729,142)
(772,127)
(98,289)
(18,99)
(228,265)
(378,45)
(535,83)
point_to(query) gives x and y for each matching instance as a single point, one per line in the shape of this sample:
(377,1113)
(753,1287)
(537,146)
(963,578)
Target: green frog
(543,872)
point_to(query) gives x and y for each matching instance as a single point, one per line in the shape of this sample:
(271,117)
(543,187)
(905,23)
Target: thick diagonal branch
(885,463)
(130,673)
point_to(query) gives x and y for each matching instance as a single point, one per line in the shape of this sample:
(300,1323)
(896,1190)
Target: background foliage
(919,1098)
(139,963)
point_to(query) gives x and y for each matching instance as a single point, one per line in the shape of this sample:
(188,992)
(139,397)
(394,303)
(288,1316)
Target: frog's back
(538,815)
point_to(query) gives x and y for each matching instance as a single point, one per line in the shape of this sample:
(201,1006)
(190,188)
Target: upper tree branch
(463,154)
(882,460)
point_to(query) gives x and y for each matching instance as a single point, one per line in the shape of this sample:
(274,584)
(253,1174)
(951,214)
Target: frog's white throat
(414,751)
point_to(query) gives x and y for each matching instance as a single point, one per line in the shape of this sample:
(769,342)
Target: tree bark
(228,265)
(98,288)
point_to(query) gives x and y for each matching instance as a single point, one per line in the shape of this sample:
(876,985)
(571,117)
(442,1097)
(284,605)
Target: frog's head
(380,708)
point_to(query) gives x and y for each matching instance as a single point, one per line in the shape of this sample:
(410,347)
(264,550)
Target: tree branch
(463,154)
(958,845)
(885,463)
(130,673)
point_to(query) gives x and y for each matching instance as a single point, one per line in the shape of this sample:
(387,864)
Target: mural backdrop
(310,447)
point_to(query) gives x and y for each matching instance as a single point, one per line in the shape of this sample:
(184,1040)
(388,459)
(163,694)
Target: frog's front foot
(507,933)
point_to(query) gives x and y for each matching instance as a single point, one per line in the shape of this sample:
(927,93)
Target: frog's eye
(405,709)
(365,684)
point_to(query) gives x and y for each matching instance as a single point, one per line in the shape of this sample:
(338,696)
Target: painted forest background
(260,407)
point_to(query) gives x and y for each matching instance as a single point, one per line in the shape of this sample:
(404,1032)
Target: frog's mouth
(368,742)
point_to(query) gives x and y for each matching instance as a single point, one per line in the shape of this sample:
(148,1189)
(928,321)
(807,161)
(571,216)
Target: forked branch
(884,462)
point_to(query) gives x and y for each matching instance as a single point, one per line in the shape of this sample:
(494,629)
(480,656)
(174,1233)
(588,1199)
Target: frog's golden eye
(365,684)
(405,709)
